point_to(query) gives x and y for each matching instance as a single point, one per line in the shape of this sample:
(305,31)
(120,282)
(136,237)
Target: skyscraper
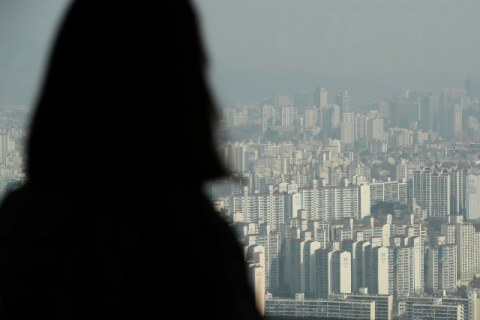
(399,114)
(344,100)
(348,129)
(303,100)
(320,97)
(472,85)
(429,113)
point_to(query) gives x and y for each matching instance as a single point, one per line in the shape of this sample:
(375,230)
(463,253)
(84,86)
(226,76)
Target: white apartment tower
(431,190)
(288,116)
(268,117)
(341,272)
(465,240)
(347,129)
(377,269)
(323,265)
(472,204)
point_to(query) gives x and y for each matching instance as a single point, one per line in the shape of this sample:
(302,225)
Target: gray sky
(369,47)
(346,37)
(27,29)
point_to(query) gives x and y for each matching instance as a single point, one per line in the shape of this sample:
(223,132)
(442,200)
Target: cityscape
(356,211)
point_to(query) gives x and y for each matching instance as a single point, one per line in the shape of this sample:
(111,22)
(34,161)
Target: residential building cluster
(357,213)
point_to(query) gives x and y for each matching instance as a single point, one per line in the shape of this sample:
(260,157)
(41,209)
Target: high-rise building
(256,275)
(268,117)
(348,129)
(3,149)
(312,117)
(377,269)
(323,265)
(288,116)
(360,127)
(431,190)
(465,240)
(344,100)
(450,122)
(429,113)
(399,114)
(327,203)
(472,86)
(320,97)
(266,206)
(447,267)
(303,100)
(473,197)
(402,269)
(341,272)
(375,129)
(452,96)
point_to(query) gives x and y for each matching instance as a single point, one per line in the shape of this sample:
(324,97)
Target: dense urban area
(13,137)
(354,210)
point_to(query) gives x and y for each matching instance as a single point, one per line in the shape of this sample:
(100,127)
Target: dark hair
(123,102)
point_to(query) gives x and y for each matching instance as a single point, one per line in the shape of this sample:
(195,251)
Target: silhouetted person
(112,223)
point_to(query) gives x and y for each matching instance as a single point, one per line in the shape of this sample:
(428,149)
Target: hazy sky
(348,37)
(27,29)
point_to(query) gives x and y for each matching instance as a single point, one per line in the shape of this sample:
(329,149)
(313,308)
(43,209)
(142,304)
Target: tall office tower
(472,85)
(377,269)
(341,272)
(398,113)
(414,111)
(288,116)
(473,128)
(309,264)
(473,197)
(360,127)
(455,124)
(323,258)
(331,119)
(447,267)
(348,129)
(320,97)
(450,122)
(303,100)
(458,191)
(417,265)
(452,96)
(465,240)
(429,113)
(283,102)
(431,190)
(311,117)
(375,129)
(344,100)
(402,266)
(268,117)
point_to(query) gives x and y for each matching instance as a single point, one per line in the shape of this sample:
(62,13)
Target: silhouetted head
(124,103)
